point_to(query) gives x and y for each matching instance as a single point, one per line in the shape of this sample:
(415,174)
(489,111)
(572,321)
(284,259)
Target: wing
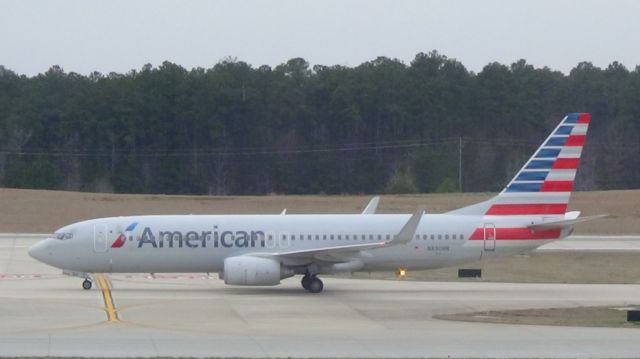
(345,253)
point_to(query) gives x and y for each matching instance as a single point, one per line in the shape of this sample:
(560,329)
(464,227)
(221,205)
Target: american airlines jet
(264,249)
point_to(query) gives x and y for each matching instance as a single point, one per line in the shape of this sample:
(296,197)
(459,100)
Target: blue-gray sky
(120,35)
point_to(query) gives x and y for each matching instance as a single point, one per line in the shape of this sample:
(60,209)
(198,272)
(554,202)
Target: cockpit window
(63,236)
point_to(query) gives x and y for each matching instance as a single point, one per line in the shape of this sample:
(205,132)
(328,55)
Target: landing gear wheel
(315,285)
(305,282)
(86,285)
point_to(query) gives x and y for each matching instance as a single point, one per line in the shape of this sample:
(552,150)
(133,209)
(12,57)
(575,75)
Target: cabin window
(446,236)
(455,236)
(388,237)
(339,237)
(331,237)
(424,237)
(461,236)
(439,236)
(346,236)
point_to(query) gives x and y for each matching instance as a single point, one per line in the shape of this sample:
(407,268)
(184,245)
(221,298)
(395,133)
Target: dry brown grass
(43,211)
(575,317)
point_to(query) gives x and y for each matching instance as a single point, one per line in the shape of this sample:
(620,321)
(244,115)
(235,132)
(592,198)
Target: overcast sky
(120,35)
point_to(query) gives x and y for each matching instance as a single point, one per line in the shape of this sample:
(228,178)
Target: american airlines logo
(122,238)
(195,239)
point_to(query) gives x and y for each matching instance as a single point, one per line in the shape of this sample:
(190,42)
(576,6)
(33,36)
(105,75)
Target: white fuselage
(201,243)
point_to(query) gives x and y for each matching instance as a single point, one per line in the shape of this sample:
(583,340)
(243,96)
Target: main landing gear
(312,283)
(86,285)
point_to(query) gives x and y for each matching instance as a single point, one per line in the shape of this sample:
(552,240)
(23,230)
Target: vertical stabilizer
(544,184)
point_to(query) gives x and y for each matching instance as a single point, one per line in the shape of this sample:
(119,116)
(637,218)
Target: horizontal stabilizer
(564,222)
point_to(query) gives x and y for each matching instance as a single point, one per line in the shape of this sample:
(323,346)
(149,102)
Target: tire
(315,285)
(86,285)
(305,282)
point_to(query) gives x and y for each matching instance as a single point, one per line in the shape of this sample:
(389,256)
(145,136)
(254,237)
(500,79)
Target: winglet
(409,230)
(284,211)
(372,206)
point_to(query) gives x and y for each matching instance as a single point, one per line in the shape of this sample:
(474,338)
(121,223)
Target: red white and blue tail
(543,186)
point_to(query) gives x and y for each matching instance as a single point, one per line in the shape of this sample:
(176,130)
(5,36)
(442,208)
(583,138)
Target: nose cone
(40,251)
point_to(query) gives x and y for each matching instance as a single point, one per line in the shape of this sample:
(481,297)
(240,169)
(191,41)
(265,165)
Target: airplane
(262,250)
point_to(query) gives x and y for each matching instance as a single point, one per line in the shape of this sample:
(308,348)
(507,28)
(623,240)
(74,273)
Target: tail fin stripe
(557,186)
(524,187)
(532,198)
(548,153)
(556,141)
(571,118)
(566,163)
(561,175)
(532,176)
(570,152)
(540,165)
(527,209)
(580,129)
(575,140)
(584,118)
(564,130)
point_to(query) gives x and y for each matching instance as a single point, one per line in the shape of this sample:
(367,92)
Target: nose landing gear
(312,283)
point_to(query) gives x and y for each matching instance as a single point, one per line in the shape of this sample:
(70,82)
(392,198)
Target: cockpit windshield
(62,235)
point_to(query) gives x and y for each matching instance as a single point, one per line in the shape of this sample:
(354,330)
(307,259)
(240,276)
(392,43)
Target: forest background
(381,127)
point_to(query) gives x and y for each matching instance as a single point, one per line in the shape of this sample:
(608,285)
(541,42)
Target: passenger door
(100,238)
(489,237)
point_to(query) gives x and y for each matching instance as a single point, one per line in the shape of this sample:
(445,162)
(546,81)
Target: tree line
(381,127)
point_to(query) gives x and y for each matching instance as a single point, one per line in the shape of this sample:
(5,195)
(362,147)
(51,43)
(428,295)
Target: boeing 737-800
(264,249)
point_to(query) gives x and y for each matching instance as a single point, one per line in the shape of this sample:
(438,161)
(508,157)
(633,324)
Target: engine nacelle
(248,270)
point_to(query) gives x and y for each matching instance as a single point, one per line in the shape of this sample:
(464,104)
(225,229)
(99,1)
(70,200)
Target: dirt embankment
(36,211)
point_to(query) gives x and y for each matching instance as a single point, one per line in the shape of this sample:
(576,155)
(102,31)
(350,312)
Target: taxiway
(43,313)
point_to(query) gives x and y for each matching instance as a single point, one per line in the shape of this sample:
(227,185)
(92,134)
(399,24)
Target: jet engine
(248,270)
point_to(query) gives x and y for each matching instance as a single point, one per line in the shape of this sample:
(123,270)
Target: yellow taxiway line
(105,287)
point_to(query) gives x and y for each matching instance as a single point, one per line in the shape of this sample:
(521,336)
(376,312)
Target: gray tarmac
(44,313)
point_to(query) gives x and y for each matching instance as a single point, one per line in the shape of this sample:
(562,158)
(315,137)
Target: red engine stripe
(575,140)
(517,234)
(557,186)
(518,209)
(566,163)
(584,118)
